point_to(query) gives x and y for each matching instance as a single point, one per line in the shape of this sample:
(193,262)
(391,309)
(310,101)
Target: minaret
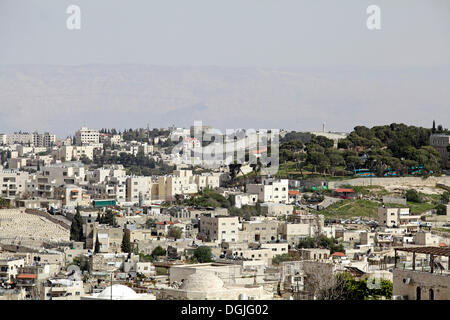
(323,127)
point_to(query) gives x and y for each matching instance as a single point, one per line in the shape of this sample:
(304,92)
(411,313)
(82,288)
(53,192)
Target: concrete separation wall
(47,216)
(392,181)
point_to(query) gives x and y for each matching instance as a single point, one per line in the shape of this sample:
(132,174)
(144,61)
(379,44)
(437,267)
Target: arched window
(431,293)
(418,293)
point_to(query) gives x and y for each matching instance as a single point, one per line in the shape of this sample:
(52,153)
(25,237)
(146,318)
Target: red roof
(26,276)
(294,192)
(338,254)
(259,151)
(442,244)
(345,190)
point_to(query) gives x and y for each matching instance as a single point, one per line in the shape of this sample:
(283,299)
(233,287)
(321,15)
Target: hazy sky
(312,34)
(226,32)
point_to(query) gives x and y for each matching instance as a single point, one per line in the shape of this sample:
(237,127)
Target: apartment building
(423,238)
(138,188)
(18,138)
(17,163)
(111,139)
(145,148)
(62,289)
(259,231)
(441,143)
(276,209)
(399,218)
(383,240)
(43,183)
(72,195)
(13,183)
(110,238)
(86,136)
(9,268)
(183,182)
(25,138)
(27,150)
(73,153)
(44,140)
(219,228)
(170,186)
(106,173)
(292,233)
(262,254)
(206,181)
(276,247)
(113,188)
(275,191)
(244,199)
(367,238)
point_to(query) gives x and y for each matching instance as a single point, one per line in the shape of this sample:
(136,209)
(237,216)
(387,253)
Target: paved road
(328,201)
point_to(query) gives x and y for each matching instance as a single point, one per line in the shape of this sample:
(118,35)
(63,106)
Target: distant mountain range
(60,99)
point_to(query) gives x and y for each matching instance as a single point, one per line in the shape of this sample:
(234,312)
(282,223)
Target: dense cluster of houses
(252,257)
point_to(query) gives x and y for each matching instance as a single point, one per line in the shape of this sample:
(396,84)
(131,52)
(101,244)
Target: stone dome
(202,281)
(119,292)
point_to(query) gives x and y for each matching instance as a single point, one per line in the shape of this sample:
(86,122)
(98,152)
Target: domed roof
(202,281)
(119,292)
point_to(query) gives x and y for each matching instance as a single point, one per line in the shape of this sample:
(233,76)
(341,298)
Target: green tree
(203,254)
(97,245)
(258,208)
(107,218)
(150,223)
(441,209)
(85,160)
(309,242)
(413,196)
(323,242)
(81,262)
(445,197)
(158,251)
(346,287)
(76,228)
(126,243)
(281,258)
(3,203)
(175,232)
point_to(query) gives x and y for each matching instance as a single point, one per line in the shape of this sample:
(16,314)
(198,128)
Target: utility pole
(111,284)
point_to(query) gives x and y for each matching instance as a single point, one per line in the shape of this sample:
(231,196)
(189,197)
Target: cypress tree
(126,244)
(97,245)
(76,228)
(258,208)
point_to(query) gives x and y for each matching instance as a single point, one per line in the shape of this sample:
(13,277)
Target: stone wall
(47,216)
(425,280)
(392,181)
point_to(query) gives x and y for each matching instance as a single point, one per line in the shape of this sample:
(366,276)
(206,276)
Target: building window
(418,293)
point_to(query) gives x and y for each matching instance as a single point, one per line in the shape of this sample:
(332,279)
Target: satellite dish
(74,269)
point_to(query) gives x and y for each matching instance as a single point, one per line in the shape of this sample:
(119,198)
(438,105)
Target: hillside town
(145,214)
